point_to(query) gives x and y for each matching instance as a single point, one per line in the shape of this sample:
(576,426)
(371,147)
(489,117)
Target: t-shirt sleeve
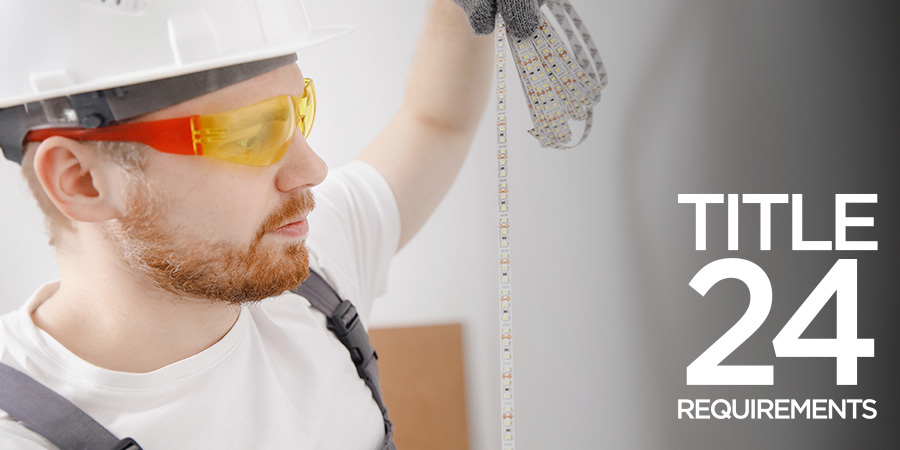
(354,232)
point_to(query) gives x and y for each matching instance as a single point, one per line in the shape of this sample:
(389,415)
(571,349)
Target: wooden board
(423,382)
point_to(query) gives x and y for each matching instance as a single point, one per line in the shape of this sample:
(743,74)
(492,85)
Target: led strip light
(506,353)
(560,84)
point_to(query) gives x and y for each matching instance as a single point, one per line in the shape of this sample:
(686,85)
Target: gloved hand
(522,17)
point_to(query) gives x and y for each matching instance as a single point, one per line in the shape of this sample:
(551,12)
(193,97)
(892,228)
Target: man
(157,328)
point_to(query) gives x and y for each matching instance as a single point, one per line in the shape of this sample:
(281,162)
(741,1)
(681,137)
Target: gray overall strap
(344,322)
(48,414)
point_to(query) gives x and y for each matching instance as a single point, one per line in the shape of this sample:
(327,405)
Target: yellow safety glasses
(256,135)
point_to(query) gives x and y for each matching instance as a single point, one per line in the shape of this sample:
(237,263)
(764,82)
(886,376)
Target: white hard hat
(54,48)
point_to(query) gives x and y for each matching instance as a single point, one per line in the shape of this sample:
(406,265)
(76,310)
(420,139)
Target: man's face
(217,230)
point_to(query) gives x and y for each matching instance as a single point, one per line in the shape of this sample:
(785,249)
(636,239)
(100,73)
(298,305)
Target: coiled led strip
(560,84)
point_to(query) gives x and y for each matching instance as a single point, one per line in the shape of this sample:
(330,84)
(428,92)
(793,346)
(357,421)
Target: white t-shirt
(278,379)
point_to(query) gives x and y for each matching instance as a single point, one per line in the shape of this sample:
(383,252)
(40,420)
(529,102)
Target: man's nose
(301,168)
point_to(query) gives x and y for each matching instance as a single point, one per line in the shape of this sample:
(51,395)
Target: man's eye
(246,142)
(249,136)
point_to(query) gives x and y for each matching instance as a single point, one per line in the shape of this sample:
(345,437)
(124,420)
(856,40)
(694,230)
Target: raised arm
(423,147)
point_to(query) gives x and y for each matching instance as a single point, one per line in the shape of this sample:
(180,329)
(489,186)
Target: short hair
(132,156)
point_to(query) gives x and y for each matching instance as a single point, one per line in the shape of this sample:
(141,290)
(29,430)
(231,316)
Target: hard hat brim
(300,41)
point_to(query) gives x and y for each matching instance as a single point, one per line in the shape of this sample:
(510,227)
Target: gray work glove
(522,17)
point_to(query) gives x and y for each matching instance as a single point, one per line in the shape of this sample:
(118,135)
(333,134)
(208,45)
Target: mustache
(298,205)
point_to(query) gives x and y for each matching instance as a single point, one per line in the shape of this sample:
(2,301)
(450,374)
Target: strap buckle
(347,326)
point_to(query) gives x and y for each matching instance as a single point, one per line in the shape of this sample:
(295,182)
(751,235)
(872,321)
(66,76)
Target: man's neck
(109,315)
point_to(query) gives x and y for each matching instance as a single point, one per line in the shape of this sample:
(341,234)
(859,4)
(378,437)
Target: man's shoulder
(12,336)
(16,328)
(14,436)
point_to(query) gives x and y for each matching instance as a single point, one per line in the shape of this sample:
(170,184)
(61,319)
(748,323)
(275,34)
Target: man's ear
(78,180)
